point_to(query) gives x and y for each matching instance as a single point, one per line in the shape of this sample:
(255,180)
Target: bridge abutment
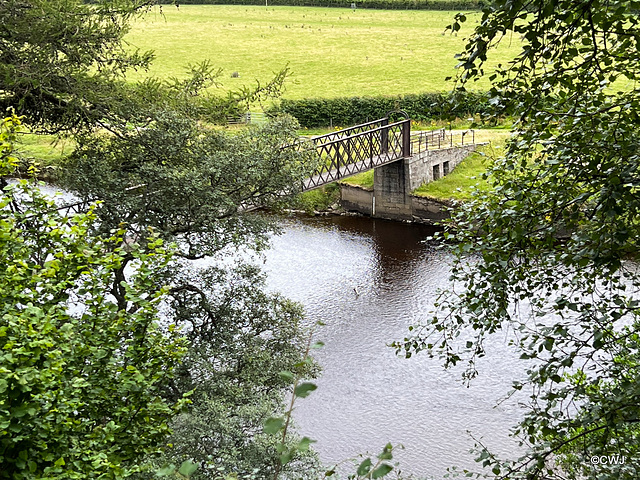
(393,183)
(390,191)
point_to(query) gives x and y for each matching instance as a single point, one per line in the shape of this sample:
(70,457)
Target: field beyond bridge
(331,52)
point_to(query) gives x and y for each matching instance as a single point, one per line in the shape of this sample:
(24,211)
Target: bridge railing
(347,132)
(358,149)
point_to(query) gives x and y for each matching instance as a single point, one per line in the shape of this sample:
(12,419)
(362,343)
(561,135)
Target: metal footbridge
(370,145)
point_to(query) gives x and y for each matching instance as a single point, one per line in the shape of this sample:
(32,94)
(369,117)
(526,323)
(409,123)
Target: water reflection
(368,280)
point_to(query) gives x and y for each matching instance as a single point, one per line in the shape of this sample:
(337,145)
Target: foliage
(155,165)
(192,183)
(59,59)
(382,4)
(189,181)
(82,375)
(318,200)
(240,339)
(551,243)
(318,112)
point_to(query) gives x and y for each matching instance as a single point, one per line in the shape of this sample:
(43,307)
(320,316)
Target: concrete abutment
(393,183)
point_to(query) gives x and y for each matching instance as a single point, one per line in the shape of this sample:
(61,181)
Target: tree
(82,373)
(60,61)
(148,152)
(548,253)
(241,340)
(63,65)
(190,183)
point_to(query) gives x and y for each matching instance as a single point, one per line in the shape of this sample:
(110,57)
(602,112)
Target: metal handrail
(373,130)
(339,132)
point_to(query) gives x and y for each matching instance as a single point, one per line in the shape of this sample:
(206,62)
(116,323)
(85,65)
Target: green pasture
(331,52)
(41,151)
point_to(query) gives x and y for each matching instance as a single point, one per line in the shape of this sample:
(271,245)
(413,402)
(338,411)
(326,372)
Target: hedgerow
(321,112)
(376,4)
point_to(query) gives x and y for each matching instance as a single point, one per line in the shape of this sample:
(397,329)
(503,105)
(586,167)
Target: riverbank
(416,208)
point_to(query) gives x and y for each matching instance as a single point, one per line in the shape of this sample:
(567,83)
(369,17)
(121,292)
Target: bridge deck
(361,148)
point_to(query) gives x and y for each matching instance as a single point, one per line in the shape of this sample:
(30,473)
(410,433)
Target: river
(368,280)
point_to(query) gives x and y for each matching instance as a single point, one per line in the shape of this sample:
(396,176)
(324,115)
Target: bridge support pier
(393,183)
(391,191)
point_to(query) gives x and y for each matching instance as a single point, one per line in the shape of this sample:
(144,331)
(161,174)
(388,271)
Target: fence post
(406,139)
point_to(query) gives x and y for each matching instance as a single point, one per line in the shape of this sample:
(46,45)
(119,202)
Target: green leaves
(68,55)
(82,374)
(187,468)
(368,469)
(274,424)
(364,468)
(352,111)
(304,389)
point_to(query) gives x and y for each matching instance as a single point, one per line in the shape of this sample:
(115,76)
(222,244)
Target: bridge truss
(358,149)
(372,144)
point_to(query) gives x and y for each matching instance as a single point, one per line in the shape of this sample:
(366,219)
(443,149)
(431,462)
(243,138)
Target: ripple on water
(368,280)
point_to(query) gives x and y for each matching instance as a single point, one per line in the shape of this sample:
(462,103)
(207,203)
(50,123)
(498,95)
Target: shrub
(321,112)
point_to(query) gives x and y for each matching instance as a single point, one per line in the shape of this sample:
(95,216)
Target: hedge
(379,4)
(322,112)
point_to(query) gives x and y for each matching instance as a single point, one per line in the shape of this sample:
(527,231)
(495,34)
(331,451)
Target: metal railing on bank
(442,138)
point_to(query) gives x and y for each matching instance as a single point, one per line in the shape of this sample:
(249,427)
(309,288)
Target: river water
(368,280)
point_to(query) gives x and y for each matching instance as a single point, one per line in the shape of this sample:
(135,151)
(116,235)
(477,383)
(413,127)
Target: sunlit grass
(41,151)
(364,180)
(331,52)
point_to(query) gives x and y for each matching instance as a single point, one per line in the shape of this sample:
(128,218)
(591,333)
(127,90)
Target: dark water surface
(368,280)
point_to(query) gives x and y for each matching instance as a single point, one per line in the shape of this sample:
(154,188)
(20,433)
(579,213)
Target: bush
(379,4)
(322,112)
(81,374)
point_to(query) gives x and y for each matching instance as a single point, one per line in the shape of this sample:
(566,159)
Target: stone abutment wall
(393,183)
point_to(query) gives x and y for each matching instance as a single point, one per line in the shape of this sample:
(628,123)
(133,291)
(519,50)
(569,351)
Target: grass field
(42,151)
(331,52)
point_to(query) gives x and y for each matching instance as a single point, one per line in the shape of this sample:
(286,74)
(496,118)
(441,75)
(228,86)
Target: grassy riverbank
(331,52)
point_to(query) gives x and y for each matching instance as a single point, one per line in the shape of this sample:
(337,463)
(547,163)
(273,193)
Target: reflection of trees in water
(397,244)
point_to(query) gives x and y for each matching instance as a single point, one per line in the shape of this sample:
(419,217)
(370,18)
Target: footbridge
(402,161)
(374,144)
